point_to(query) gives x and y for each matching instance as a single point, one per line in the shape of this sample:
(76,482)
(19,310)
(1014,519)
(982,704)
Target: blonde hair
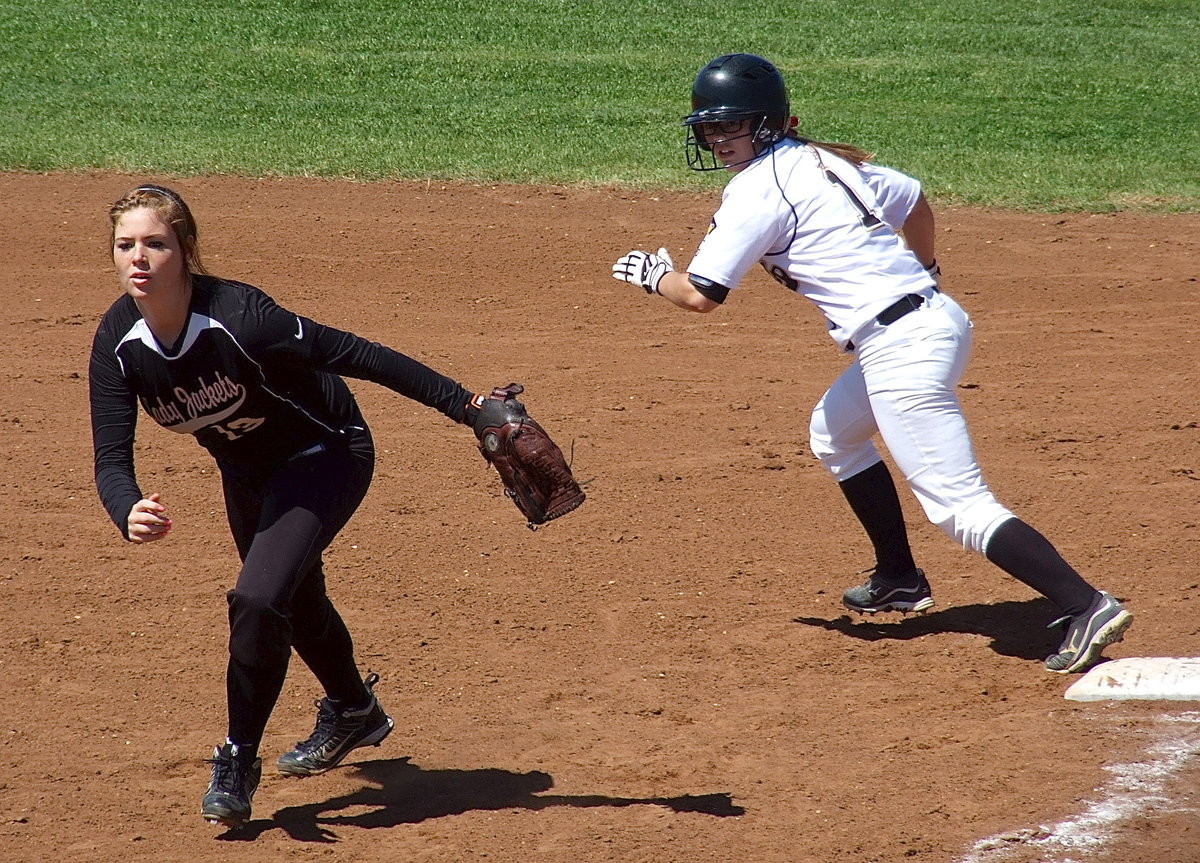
(169,207)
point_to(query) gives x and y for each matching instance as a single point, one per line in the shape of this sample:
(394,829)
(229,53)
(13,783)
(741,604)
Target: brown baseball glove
(530,464)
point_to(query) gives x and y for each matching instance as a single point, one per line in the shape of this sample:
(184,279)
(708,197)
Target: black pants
(282,521)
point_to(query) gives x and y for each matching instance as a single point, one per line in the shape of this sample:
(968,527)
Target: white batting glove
(643,269)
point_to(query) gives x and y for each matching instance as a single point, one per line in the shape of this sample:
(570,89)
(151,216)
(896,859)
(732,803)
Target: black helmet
(737,87)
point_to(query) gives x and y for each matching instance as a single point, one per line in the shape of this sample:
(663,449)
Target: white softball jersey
(822,227)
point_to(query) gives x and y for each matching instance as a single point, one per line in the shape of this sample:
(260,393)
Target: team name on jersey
(203,404)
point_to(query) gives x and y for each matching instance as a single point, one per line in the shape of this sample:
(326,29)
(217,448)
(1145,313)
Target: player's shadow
(1016,629)
(403,793)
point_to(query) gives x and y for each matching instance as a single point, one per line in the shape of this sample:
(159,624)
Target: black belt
(894,312)
(900,308)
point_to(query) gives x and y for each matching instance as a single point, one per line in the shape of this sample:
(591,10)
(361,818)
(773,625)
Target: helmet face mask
(700,153)
(734,88)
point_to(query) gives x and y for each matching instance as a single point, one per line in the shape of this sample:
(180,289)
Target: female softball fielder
(857,240)
(261,389)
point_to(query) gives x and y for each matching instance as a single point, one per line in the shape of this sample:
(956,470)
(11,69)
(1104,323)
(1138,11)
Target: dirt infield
(665,675)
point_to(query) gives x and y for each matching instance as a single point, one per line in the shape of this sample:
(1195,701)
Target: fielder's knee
(259,634)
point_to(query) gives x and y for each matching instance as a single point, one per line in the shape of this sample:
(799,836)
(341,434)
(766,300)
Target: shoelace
(226,773)
(882,582)
(327,718)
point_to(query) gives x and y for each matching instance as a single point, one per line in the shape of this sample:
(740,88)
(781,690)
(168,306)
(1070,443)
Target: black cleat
(232,786)
(337,733)
(1104,623)
(880,593)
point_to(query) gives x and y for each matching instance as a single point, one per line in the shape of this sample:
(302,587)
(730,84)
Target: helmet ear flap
(766,135)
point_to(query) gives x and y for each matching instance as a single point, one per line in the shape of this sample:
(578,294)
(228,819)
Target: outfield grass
(1048,105)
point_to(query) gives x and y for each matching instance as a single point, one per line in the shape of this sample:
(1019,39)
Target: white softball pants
(902,385)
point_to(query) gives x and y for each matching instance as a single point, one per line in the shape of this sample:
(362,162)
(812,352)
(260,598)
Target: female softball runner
(857,240)
(261,389)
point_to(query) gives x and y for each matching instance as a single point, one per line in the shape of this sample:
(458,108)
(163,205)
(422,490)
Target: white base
(1147,678)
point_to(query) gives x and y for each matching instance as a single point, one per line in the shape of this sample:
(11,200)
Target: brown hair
(852,154)
(169,207)
(849,152)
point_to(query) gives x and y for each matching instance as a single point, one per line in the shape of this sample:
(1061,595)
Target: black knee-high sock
(872,496)
(252,692)
(1029,557)
(328,650)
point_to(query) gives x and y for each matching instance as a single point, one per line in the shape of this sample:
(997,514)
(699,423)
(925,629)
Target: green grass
(1052,105)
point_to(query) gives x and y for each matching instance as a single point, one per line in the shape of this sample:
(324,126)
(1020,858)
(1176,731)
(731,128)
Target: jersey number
(869,220)
(780,275)
(235,429)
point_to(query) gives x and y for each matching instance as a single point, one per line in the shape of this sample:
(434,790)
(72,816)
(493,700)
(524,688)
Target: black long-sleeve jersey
(254,383)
